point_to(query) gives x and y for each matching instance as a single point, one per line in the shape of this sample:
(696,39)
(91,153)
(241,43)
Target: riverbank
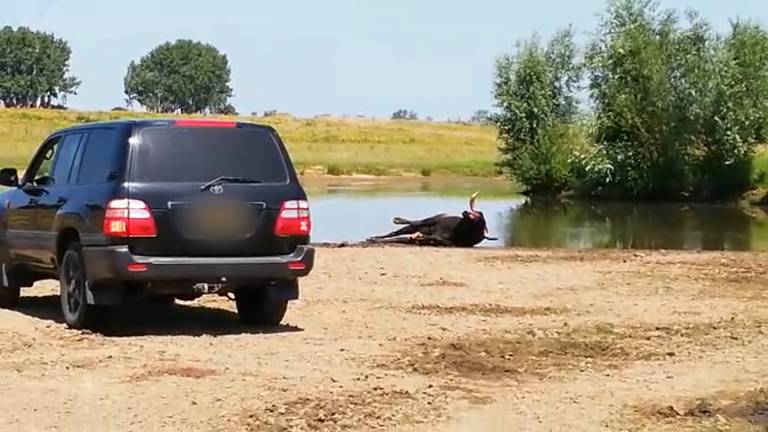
(321,145)
(491,340)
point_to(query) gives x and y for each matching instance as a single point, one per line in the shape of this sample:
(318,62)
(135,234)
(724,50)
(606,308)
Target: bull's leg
(408,230)
(403,240)
(431,240)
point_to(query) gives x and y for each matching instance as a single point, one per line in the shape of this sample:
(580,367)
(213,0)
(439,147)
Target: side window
(65,155)
(99,159)
(40,168)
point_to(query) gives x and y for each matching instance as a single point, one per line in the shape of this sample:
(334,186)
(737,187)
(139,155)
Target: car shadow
(143,319)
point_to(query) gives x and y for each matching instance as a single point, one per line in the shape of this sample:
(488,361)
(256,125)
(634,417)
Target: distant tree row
(183,76)
(479,117)
(175,77)
(676,109)
(404,114)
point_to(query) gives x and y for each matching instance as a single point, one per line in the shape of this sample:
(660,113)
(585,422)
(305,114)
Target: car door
(23,242)
(56,195)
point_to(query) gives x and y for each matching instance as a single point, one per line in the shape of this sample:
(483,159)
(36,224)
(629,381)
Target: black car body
(157,209)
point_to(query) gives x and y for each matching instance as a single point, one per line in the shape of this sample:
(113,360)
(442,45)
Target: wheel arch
(65,238)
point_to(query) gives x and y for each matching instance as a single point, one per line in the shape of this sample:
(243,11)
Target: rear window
(177,154)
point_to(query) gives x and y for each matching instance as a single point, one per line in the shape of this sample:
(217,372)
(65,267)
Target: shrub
(678,109)
(335,170)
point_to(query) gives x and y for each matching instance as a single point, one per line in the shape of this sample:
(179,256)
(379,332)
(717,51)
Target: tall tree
(184,76)
(34,68)
(535,92)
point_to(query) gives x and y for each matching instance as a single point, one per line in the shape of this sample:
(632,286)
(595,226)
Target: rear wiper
(228,179)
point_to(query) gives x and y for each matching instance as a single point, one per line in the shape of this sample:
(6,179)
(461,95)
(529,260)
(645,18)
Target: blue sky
(325,57)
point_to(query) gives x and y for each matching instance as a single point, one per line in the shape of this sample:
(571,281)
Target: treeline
(183,76)
(671,108)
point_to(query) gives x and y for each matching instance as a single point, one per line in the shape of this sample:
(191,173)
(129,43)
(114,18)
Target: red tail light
(137,268)
(293,219)
(129,218)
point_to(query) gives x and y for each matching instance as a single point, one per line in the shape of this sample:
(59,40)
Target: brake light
(296,265)
(205,123)
(293,219)
(129,218)
(137,268)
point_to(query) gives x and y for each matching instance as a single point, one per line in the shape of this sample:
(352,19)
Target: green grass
(325,145)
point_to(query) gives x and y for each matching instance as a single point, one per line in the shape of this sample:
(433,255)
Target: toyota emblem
(217,189)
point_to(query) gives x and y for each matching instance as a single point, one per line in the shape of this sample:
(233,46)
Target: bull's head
(476,216)
(473,213)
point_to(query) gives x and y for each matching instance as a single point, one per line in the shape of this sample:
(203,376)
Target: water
(353,212)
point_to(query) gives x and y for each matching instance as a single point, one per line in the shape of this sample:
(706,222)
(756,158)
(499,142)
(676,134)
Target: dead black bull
(463,231)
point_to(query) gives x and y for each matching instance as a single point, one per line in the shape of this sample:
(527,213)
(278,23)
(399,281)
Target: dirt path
(417,340)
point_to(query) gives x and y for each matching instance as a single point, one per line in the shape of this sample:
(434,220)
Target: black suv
(158,210)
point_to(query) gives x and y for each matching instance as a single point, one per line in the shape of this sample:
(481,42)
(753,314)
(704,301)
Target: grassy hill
(324,145)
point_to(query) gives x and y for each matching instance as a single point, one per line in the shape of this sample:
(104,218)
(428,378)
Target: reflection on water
(635,226)
(355,212)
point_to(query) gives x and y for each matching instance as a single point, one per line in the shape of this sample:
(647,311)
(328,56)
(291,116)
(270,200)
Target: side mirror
(9,177)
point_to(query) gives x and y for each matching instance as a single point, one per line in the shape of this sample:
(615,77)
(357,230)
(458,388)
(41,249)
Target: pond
(353,211)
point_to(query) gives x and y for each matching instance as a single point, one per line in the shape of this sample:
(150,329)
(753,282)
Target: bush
(335,170)
(404,114)
(227,109)
(678,109)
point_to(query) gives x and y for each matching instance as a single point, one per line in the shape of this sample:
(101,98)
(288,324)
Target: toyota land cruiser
(157,209)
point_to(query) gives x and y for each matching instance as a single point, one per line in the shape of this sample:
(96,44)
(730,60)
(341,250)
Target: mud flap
(105,296)
(283,291)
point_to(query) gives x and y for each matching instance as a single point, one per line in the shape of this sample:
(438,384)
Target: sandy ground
(417,340)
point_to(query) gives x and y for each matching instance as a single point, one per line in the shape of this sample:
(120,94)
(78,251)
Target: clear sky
(325,57)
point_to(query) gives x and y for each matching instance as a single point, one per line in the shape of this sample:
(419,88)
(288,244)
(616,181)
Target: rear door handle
(33,201)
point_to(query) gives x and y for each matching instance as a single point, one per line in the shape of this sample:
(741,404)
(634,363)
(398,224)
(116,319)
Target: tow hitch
(211,288)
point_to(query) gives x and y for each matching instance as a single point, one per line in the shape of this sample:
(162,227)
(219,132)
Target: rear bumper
(116,263)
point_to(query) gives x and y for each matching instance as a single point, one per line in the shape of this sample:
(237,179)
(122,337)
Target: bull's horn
(472,200)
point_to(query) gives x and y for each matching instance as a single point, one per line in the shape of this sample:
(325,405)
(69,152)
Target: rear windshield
(177,154)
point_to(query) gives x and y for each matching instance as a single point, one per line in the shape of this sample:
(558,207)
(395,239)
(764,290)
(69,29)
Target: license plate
(220,220)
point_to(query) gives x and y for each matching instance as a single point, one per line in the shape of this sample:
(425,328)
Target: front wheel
(254,307)
(78,314)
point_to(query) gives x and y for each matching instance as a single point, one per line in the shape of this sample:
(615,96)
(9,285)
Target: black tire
(255,308)
(10,291)
(168,301)
(78,314)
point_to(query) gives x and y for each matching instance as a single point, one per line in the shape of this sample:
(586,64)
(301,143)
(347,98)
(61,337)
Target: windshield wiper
(228,179)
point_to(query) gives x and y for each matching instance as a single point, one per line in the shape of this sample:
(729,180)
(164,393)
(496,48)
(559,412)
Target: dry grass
(486,309)
(443,283)
(711,275)
(723,412)
(192,372)
(376,408)
(559,256)
(545,354)
(327,145)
